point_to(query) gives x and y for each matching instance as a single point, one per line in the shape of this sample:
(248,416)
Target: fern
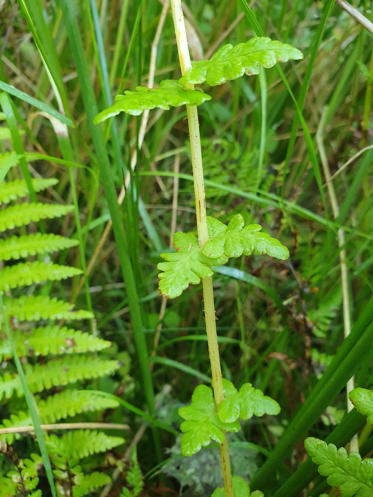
(353,476)
(187,266)
(52,340)
(245,403)
(237,239)
(22,214)
(23,246)
(37,307)
(232,62)
(34,272)
(202,423)
(12,190)
(59,406)
(134,478)
(170,93)
(85,484)
(240,489)
(75,445)
(55,373)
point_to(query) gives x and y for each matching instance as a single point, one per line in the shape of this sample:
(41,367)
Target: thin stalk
(200,201)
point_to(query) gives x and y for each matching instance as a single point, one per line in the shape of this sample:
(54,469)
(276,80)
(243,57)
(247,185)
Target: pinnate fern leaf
(12,190)
(237,239)
(85,484)
(75,445)
(240,489)
(363,401)
(244,403)
(37,307)
(51,340)
(232,62)
(353,476)
(22,214)
(170,93)
(57,372)
(16,247)
(202,423)
(62,405)
(184,267)
(34,272)
(134,478)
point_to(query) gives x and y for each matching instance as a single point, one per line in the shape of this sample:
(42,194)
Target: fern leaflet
(85,484)
(22,214)
(232,62)
(12,190)
(76,445)
(363,401)
(57,372)
(23,246)
(170,93)
(34,272)
(352,475)
(51,340)
(33,308)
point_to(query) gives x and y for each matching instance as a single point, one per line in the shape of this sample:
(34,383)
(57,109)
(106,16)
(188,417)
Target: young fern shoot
(213,412)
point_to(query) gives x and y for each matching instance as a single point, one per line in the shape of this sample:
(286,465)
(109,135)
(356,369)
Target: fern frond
(34,272)
(52,340)
(8,487)
(22,214)
(57,372)
(85,484)
(81,443)
(170,93)
(352,475)
(23,246)
(232,62)
(33,308)
(62,405)
(11,190)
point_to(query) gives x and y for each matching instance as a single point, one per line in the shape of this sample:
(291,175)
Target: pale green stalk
(200,201)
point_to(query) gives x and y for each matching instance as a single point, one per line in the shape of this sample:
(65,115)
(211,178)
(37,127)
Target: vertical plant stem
(200,200)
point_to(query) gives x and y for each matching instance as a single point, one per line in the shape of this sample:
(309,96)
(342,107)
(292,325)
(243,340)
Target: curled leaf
(202,423)
(363,401)
(232,62)
(169,93)
(245,403)
(237,239)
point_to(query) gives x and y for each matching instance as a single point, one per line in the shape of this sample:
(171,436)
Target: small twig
(350,161)
(356,14)
(64,426)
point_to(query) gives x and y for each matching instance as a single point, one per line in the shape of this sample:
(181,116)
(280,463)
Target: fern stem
(200,202)
(64,426)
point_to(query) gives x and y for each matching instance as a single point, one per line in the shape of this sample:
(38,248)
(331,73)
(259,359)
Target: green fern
(134,478)
(75,445)
(232,62)
(85,484)
(245,403)
(22,214)
(184,267)
(237,239)
(24,246)
(240,489)
(353,476)
(62,405)
(11,190)
(29,273)
(51,340)
(34,308)
(56,373)
(202,423)
(170,93)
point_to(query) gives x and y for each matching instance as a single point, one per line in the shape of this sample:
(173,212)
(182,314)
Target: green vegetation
(110,159)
